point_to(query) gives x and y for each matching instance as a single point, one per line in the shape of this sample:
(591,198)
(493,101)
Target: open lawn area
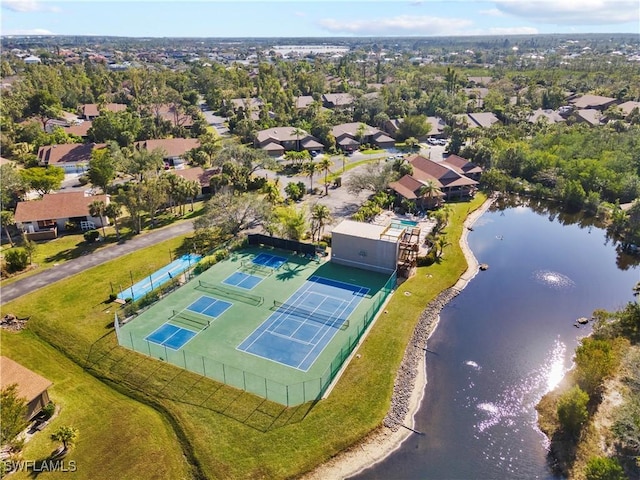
(225,432)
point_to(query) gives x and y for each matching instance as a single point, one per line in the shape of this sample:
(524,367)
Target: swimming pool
(410,223)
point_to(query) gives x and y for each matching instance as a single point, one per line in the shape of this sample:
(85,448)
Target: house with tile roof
(89,111)
(54,210)
(30,386)
(596,102)
(276,141)
(478,119)
(446,177)
(349,136)
(173,149)
(337,100)
(72,157)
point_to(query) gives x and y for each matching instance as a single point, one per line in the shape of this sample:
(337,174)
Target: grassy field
(227,433)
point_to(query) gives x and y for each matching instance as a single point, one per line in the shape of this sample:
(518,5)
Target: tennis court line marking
(337,283)
(171,336)
(148,283)
(246,277)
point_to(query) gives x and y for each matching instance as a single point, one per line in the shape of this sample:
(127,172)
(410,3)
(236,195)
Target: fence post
(204,368)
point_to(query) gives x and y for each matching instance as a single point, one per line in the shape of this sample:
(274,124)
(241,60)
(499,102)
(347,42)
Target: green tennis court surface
(283,335)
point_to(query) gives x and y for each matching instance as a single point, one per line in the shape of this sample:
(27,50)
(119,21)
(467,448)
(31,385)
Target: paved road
(78,265)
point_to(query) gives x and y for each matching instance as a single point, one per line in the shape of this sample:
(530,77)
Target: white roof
(359,229)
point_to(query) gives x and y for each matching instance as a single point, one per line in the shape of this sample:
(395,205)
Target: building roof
(437,125)
(303,101)
(91,109)
(552,116)
(246,102)
(174,115)
(427,170)
(196,173)
(627,107)
(359,229)
(53,206)
(338,99)
(461,165)
(280,134)
(592,101)
(351,129)
(80,129)
(407,186)
(30,384)
(173,147)
(67,153)
(589,115)
(482,119)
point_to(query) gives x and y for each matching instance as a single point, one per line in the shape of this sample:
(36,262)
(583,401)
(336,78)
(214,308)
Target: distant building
(30,386)
(276,141)
(90,111)
(349,136)
(32,59)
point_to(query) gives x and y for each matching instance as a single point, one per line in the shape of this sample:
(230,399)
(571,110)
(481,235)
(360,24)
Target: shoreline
(410,383)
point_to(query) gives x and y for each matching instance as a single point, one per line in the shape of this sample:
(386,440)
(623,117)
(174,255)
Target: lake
(507,339)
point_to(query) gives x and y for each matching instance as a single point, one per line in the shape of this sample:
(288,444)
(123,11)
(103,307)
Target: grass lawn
(231,434)
(113,430)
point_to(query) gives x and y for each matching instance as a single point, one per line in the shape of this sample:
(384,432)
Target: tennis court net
(189,319)
(254,300)
(306,314)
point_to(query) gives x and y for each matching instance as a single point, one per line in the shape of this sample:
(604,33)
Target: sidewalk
(78,265)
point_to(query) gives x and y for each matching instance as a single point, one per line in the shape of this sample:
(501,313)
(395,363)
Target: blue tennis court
(242,280)
(297,332)
(267,260)
(171,336)
(209,306)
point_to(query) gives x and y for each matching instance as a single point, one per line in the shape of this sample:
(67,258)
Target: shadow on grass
(164,381)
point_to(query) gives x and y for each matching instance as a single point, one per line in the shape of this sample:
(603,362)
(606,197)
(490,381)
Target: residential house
(590,116)
(173,149)
(41,219)
(276,141)
(463,166)
(89,111)
(174,114)
(628,107)
(72,157)
(249,107)
(202,176)
(595,102)
(478,120)
(32,59)
(476,96)
(349,136)
(446,177)
(33,388)
(80,129)
(550,116)
(337,100)
(303,101)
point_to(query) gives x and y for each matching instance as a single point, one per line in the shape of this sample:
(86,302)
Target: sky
(316,18)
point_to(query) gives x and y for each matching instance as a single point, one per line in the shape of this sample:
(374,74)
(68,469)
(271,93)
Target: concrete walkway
(80,264)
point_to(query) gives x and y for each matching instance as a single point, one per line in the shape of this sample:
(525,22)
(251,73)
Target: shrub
(572,411)
(112,297)
(91,236)
(16,259)
(604,468)
(48,410)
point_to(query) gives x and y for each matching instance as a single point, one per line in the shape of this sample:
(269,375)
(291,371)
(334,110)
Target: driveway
(79,265)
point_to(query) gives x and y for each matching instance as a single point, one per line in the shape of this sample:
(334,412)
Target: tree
(113,211)
(413,126)
(30,247)
(310,168)
(131,199)
(12,186)
(292,222)
(102,168)
(604,468)
(154,195)
(320,217)
(7,219)
(13,413)
(232,214)
(441,243)
(142,163)
(295,190)
(45,106)
(43,179)
(375,177)
(595,360)
(97,209)
(66,435)
(16,259)
(572,410)
(272,193)
(325,165)
(298,132)
(428,191)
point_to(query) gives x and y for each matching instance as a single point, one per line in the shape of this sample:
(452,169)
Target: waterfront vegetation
(592,418)
(223,433)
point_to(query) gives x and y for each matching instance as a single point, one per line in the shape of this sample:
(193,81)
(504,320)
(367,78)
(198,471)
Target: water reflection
(553,279)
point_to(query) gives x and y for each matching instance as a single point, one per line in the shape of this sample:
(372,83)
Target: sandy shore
(386,439)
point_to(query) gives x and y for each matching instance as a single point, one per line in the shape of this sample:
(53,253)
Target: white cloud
(300,14)
(23,6)
(399,26)
(573,12)
(30,31)
(493,12)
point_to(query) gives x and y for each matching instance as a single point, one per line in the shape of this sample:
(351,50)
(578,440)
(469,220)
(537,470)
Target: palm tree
(66,435)
(272,192)
(310,168)
(440,244)
(297,132)
(320,217)
(192,190)
(113,211)
(429,189)
(325,166)
(97,209)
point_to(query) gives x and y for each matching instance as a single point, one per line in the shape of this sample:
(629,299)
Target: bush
(48,410)
(91,236)
(112,297)
(572,411)
(604,468)
(16,259)
(83,180)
